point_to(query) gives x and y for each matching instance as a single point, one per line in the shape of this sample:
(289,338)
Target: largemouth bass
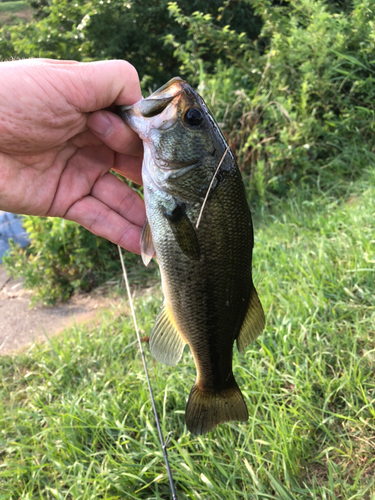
(210,299)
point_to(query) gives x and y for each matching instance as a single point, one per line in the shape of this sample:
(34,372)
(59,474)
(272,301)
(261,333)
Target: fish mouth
(153,105)
(171,89)
(161,110)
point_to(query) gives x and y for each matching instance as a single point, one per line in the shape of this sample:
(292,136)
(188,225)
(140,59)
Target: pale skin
(58,145)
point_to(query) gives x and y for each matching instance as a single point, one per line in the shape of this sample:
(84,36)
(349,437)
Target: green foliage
(14,6)
(6,46)
(134,31)
(298,101)
(62,258)
(55,36)
(76,420)
(40,8)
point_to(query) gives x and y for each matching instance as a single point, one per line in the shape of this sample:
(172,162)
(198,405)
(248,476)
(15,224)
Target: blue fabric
(11,227)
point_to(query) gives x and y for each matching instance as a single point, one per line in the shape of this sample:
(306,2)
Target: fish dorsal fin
(253,323)
(147,246)
(166,343)
(184,232)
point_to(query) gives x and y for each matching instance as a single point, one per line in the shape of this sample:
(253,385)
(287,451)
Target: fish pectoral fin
(166,343)
(184,232)
(147,246)
(253,323)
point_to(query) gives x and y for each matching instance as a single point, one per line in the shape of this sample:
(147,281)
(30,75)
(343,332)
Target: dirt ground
(10,17)
(21,325)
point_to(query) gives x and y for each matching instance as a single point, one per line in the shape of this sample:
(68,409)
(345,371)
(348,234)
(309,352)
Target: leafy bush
(62,258)
(298,101)
(90,30)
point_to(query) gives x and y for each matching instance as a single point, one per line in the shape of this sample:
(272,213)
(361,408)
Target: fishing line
(209,188)
(163,444)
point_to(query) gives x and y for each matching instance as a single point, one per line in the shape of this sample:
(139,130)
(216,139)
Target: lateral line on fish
(163,444)
(209,188)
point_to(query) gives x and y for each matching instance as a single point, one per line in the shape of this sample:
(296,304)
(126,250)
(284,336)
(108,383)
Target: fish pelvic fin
(147,246)
(253,323)
(206,409)
(166,342)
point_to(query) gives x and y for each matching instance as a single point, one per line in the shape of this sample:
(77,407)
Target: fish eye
(193,117)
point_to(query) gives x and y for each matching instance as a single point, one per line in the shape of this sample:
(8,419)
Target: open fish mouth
(159,100)
(165,106)
(169,89)
(153,105)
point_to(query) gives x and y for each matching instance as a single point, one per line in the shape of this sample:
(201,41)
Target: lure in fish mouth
(210,300)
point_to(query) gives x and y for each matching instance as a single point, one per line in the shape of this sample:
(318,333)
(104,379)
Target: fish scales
(210,299)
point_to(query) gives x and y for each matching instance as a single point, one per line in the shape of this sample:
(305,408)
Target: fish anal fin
(166,343)
(206,409)
(184,232)
(253,323)
(147,246)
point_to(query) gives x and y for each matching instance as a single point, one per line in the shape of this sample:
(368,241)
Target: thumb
(103,83)
(114,133)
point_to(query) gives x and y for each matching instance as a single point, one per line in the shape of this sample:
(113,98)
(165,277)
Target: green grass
(14,13)
(76,419)
(13,7)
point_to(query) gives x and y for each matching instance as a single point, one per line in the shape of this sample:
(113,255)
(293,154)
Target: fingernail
(100,124)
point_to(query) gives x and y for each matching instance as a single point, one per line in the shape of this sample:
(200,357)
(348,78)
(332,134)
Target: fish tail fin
(206,409)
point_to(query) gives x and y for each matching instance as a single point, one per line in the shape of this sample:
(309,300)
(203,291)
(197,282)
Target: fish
(210,300)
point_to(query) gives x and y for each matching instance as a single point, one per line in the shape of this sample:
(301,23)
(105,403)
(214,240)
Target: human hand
(57,145)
